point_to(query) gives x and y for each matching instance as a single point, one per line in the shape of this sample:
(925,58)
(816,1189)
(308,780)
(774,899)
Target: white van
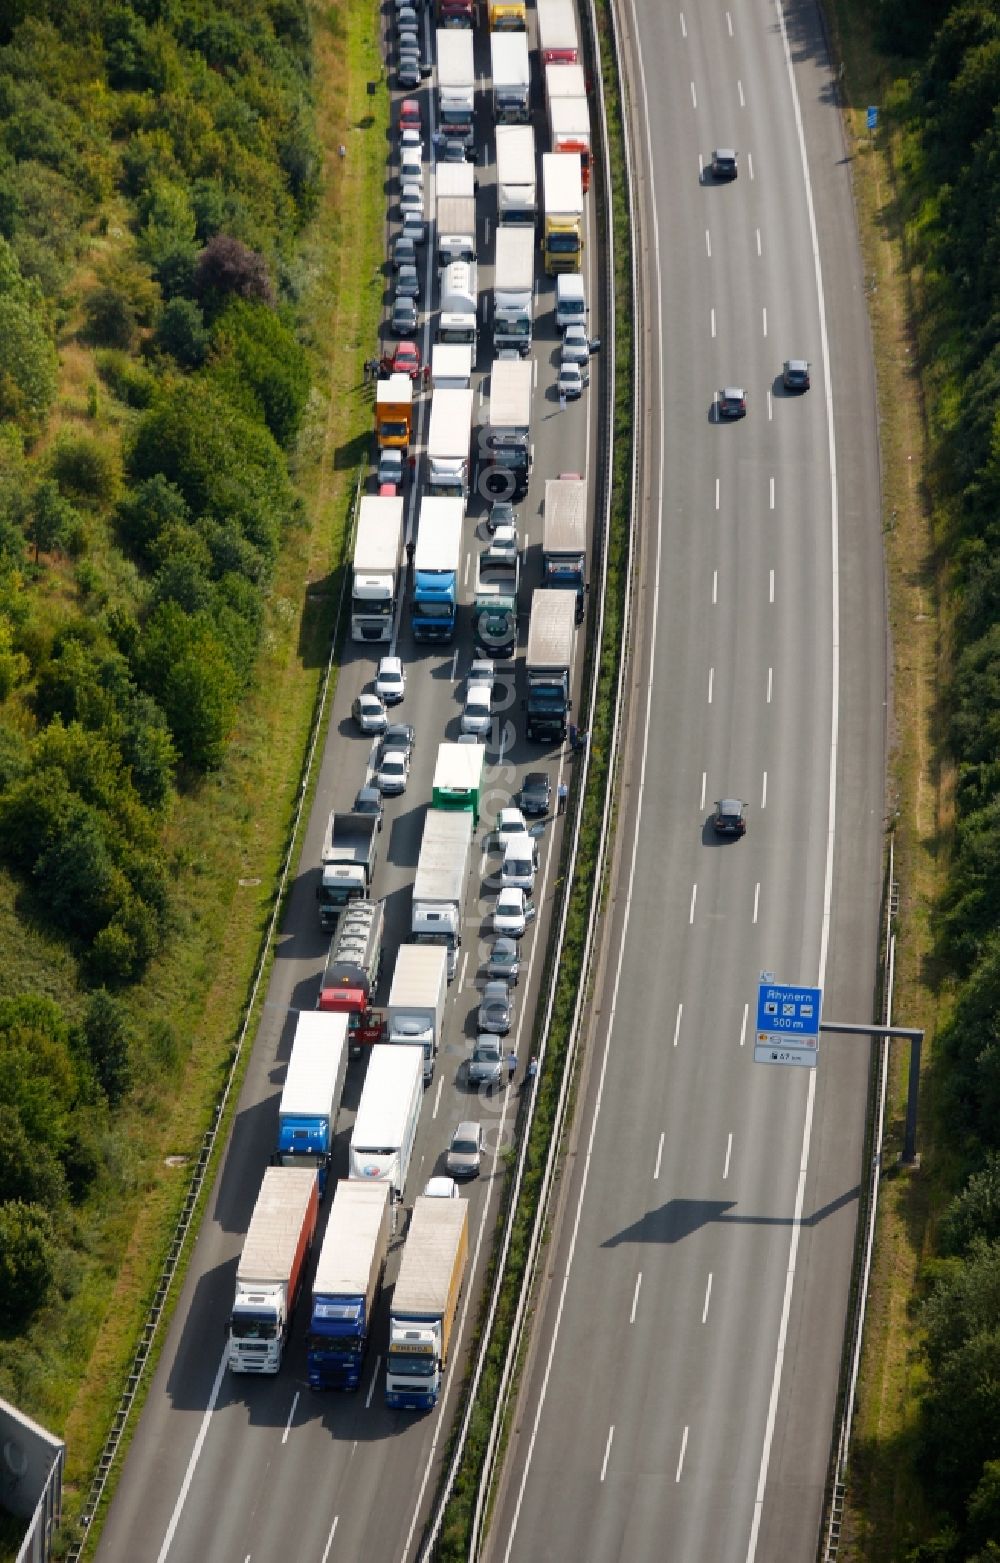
(411,163)
(477,718)
(520,863)
(571,305)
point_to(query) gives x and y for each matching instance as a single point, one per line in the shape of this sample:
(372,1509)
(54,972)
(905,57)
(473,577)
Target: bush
(182,659)
(27,1261)
(263,365)
(110,318)
(87,471)
(28,364)
(227,267)
(182,333)
(109,1045)
(28,1169)
(130,382)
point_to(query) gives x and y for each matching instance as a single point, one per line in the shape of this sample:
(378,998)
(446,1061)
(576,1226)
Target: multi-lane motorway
(679,1397)
(246,1469)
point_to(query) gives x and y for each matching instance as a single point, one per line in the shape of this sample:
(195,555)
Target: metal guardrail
(604,511)
(210,1142)
(854,1337)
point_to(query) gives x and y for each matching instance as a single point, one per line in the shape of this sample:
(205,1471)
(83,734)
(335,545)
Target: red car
(406,360)
(409,114)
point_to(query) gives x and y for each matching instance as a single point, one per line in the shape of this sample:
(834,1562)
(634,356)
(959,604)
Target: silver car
(393,773)
(486,1063)
(496,1009)
(505,959)
(466,1150)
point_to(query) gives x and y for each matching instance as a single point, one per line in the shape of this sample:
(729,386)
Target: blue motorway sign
(872,116)
(788,1013)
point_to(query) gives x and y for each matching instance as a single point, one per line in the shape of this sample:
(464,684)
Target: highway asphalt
(223,1467)
(679,1394)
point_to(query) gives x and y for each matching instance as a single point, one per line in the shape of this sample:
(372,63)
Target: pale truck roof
(509,59)
(452,361)
(353,1246)
(459,767)
(570,117)
(397,388)
(450,424)
(444,850)
(564,516)
(562,183)
(510,393)
(437,1236)
(316,1066)
(380,530)
(564,81)
(515,154)
(454,57)
(384,1108)
(551,629)
(455,179)
(514,266)
(439,534)
(272,1238)
(418,976)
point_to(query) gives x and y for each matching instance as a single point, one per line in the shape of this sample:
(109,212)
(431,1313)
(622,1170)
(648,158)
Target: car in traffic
(369,713)
(404,317)
(390,467)
(535,794)
(496,1008)
(407,282)
(501,513)
(477,717)
(466,1150)
(406,19)
(573,380)
(404,252)
(485,1067)
(410,117)
(510,822)
(390,680)
(482,671)
(441,1187)
(504,960)
(411,199)
(453,150)
(414,227)
(503,545)
(520,863)
(406,360)
(795,374)
(730,817)
(732,402)
(725,164)
(575,346)
(408,71)
(369,801)
(393,772)
(512,913)
(398,735)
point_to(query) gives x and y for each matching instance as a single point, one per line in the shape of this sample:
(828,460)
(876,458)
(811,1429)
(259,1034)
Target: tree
(261,361)
(183,661)
(51,518)
(27,1261)
(975,1212)
(109,1044)
(28,1169)
(152,506)
(182,333)
(226,266)
(28,364)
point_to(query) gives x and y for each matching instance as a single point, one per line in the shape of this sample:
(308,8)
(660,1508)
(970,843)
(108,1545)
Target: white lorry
(562,193)
(310,1096)
(548,665)
(451,367)
(347,1282)
(564,537)
(511,78)
(271,1269)
(439,884)
(558,39)
(456,228)
(456,77)
(508,435)
(436,563)
(513,285)
(425,1302)
(455,181)
(415,1014)
(458,321)
(517,195)
(388,1112)
(448,439)
(375,583)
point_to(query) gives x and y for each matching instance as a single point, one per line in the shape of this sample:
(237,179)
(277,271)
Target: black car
(730,817)
(724,164)
(369,801)
(795,374)
(535,796)
(501,513)
(732,402)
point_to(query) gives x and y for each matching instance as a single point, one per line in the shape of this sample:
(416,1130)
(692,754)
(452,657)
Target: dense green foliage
(948,114)
(157,164)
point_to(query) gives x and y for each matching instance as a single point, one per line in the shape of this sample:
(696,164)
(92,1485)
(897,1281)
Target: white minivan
(571,304)
(477,718)
(520,862)
(411,164)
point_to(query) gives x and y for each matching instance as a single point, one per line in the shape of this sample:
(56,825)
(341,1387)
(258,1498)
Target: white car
(390,680)
(512,913)
(482,671)
(477,718)
(410,136)
(520,861)
(572,380)
(393,772)
(510,822)
(441,1187)
(575,347)
(370,714)
(412,200)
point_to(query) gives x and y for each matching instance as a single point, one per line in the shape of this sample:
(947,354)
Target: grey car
(404,251)
(369,801)
(795,374)
(404,317)
(398,735)
(408,72)
(535,796)
(495,1009)
(505,960)
(724,163)
(466,1150)
(486,1063)
(407,282)
(390,467)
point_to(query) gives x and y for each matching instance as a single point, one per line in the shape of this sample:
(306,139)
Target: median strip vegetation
(185,308)
(453,1546)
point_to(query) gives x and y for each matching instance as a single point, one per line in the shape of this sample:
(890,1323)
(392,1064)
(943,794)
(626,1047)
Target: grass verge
(886,1511)
(456,1529)
(230,839)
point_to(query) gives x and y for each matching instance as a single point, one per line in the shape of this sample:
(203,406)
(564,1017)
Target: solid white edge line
(793,1247)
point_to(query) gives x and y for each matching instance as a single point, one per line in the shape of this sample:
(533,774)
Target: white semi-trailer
(375,584)
(386,1123)
(439,884)
(415,1014)
(513,287)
